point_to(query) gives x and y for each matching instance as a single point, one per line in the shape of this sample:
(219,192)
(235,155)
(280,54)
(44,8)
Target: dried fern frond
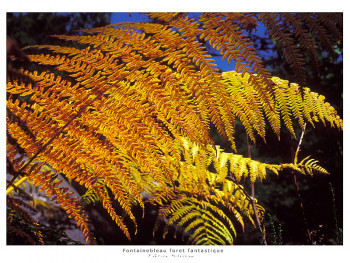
(18,206)
(296,33)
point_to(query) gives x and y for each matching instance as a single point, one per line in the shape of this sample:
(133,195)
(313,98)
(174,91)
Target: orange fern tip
(89,237)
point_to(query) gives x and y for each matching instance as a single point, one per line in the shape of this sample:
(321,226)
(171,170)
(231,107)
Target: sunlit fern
(112,115)
(207,201)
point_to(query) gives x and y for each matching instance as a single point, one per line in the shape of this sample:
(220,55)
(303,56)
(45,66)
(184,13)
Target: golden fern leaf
(290,103)
(181,53)
(309,166)
(165,17)
(55,157)
(198,216)
(191,203)
(89,198)
(247,106)
(225,33)
(216,192)
(157,96)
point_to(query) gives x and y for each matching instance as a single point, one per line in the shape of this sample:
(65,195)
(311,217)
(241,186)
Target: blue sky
(128,17)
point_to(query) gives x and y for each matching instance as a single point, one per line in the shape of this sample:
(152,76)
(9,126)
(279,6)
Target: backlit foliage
(126,113)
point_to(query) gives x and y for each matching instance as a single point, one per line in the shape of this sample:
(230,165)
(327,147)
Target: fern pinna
(127,111)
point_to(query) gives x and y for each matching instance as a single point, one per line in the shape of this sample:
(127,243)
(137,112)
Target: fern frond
(198,216)
(62,197)
(279,31)
(302,32)
(290,103)
(165,17)
(190,204)
(18,206)
(307,43)
(47,182)
(89,141)
(310,166)
(247,106)
(186,56)
(333,23)
(225,33)
(215,191)
(157,96)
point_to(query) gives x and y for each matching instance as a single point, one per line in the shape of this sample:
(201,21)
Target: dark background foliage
(278,194)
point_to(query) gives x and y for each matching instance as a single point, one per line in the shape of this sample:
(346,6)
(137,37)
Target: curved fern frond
(310,166)
(195,217)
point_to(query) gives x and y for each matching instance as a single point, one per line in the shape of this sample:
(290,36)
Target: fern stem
(338,230)
(299,144)
(17,184)
(302,209)
(298,190)
(253,200)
